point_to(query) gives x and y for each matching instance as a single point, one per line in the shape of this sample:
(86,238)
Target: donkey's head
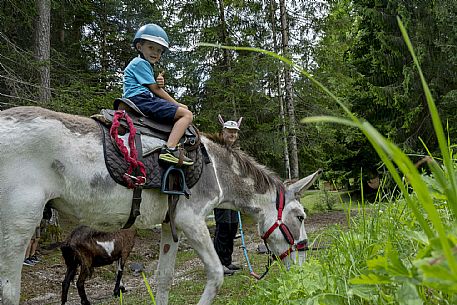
(283,230)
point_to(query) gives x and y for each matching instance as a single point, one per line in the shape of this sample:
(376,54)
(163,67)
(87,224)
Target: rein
(245,251)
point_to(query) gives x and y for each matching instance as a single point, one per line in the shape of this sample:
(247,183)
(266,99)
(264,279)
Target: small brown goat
(88,248)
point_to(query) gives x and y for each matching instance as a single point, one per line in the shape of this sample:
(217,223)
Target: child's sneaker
(28,262)
(34,259)
(171,155)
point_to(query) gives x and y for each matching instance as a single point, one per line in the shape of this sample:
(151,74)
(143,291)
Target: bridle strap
(280,202)
(299,246)
(270,230)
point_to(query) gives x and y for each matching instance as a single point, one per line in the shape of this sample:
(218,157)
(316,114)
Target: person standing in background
(227,220)
(30,254)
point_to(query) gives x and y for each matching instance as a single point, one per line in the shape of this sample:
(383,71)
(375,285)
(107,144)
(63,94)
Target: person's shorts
(156,108)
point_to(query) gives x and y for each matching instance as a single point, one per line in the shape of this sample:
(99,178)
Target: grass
(320,201)
(352,247)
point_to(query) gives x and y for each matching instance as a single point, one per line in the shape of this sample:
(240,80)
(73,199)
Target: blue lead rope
(245,251)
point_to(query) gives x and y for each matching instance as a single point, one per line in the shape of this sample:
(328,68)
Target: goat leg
(118,287)
(69,276)
(84,274)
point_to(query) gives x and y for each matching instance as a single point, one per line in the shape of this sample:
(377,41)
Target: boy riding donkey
(147,93)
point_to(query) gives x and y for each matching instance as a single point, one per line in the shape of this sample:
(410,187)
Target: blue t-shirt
(137,74)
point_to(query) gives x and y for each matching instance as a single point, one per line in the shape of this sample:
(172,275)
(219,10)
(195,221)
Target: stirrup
(183,189)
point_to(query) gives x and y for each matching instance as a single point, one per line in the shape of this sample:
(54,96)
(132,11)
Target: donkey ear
(239,121)
(221,120)
(299,187)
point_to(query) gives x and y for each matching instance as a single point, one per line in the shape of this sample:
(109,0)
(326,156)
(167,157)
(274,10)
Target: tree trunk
(226,53)
(104,29)
(43,48)
(280,94)
(289,93)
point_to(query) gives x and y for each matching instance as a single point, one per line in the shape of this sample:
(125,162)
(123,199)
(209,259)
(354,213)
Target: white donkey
(53,157)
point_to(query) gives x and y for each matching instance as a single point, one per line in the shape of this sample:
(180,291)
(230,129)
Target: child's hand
(160,80)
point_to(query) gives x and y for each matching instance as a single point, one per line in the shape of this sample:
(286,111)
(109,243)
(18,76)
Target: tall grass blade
(438,126)
(451,191)
(148,287)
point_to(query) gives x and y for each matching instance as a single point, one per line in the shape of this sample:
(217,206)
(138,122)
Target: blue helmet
(152,32)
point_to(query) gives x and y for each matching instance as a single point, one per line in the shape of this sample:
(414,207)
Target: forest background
(69,56)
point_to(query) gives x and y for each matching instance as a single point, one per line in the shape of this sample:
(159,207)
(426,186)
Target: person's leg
(34,242)
(220,245)
(27,260)
(170,153)
(232,229)
(183,119)
(27,252)
(166,112)
(223,244)
(33,247)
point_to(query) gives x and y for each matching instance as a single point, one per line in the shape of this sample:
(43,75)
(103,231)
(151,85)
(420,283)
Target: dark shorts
(156,108)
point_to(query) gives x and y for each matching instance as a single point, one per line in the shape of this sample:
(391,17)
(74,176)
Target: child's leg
(33,247)
(183,119)
(27,252)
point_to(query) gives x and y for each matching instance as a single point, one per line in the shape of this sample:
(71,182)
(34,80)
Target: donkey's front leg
(166,266)
(10,281)
(20,212)
(198,235)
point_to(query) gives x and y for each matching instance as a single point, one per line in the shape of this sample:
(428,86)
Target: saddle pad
(117,166)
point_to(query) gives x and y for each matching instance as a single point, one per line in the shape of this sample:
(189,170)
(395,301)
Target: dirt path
(41,284)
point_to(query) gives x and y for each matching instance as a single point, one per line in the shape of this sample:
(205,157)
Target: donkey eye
(300,218)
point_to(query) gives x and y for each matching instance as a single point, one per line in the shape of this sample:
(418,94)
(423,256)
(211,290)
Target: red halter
(280,202)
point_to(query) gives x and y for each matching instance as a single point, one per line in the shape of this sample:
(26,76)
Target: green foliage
(325,200)
(402,251)
(306,285)
(91,45)
(363,60)
(371,263)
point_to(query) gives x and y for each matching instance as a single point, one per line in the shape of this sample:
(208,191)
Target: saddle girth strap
(136,198)
(172,203)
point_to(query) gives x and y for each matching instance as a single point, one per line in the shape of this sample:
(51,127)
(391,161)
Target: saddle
(157,173)
(145,125)
(117,165)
